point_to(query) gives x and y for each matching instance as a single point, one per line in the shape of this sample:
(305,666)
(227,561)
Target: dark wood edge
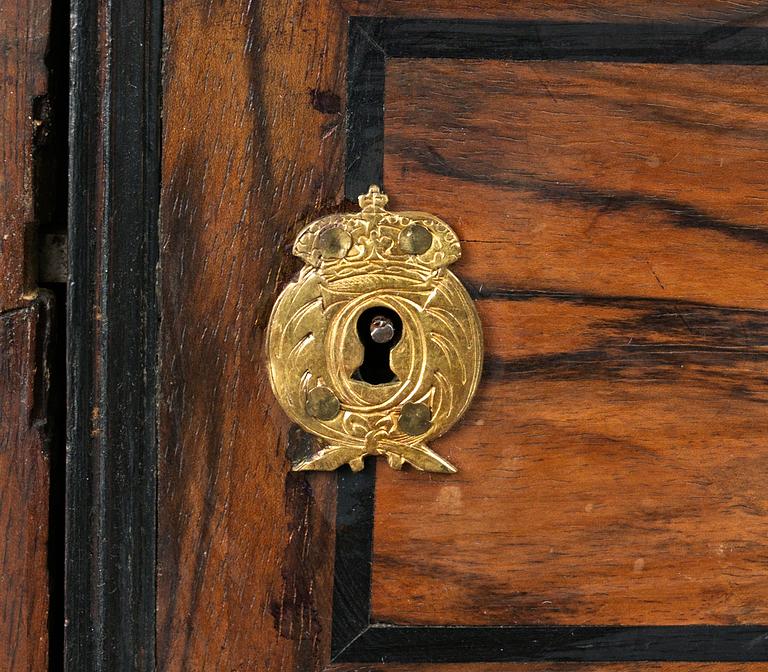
(371,41)
(354,547)
(365,107)
(384,643)
(114,179)
(547,40)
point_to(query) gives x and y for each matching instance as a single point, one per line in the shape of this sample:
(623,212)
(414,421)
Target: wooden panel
(615,179)
(252,149)
(612,468)
(24,482)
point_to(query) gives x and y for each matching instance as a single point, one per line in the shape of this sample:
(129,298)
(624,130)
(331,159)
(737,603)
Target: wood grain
(23,40)
(616,179)
(612,465)
(252,149)
(24,480)
(24,476)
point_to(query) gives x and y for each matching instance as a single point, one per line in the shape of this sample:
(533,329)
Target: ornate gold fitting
(376,347)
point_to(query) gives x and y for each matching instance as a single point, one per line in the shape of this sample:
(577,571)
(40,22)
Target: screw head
(414,239)
(334,243)
(322,403)
(382,329)
(415,419)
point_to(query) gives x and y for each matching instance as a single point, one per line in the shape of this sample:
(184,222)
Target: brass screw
(322,403)
(334,243)
(415,419)
(415,239)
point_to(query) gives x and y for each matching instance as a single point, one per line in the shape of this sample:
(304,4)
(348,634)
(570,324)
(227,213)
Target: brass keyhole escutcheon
(375,347)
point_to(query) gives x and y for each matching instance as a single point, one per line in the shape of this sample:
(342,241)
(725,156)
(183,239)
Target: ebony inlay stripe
(389,644)
(365,108)
(371,41)
(112,323)
(354,547)
(546,41)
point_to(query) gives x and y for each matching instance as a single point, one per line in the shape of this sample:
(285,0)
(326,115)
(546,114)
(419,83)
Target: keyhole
(379,330)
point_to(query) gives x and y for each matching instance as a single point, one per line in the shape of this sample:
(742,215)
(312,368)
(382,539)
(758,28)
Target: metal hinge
(52,255)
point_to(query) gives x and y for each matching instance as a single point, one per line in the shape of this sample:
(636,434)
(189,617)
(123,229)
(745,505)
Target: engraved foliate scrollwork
(389,263)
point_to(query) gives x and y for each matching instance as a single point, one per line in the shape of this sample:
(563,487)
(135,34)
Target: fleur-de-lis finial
(373,200)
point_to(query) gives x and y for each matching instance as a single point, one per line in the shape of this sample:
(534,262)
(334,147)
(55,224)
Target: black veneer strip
(114,186)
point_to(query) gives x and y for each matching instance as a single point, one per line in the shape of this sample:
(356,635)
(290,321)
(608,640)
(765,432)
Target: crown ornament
(338,244)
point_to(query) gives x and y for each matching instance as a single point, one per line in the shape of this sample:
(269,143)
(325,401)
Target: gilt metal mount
(375,347)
